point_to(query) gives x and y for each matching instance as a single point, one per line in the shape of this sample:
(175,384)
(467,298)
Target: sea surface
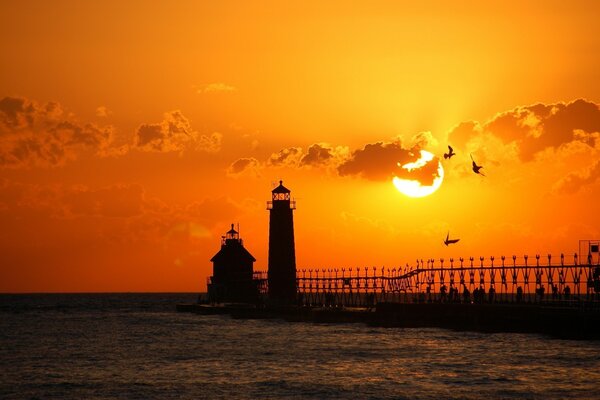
(136,346)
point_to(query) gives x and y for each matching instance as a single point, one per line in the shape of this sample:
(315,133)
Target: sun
(414,187)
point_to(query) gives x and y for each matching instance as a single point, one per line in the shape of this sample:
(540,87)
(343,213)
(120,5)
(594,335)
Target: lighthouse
(232,272)
(282,253)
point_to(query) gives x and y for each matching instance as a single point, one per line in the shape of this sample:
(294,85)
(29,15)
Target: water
(135,346)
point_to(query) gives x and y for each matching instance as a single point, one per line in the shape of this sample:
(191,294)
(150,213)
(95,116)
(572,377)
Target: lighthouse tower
(282,254)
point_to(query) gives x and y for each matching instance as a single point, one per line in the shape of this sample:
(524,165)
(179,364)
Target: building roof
(233,251)
(281,188)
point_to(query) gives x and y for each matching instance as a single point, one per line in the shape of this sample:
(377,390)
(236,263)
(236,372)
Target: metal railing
(559,280)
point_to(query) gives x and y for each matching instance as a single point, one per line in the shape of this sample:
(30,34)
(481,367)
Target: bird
(476,167)
(450,241)
(450,152)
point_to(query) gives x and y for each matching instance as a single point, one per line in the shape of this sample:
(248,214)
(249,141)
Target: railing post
(503,277)
(515,275)
(471,274)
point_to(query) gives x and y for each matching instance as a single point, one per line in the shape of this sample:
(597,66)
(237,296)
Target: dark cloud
(425,174)
(317,155)
(174,133)
(150,135)
(242,165)
(377,161)
(87,135)
(559,126)
(19,113)
(287,156)
(40,135)
(509,126)
(535,128)
(15,113)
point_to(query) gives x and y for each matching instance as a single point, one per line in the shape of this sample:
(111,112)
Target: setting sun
(414,187)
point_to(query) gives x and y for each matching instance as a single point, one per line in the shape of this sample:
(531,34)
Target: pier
(557,296)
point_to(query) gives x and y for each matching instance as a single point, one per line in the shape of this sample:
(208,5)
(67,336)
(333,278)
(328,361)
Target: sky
(132,134)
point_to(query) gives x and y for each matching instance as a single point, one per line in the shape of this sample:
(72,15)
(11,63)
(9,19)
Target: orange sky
(132,134)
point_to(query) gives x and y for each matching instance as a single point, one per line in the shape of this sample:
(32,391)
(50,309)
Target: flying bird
(476,167)
(450,152)
(450,241)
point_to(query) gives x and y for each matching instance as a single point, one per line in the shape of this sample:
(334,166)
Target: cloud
(173,225)
(118,213)
(243,166)
(574,181)
(217,87)
(423,140)
(289,156)
(317,154)
(209,143)
(533,129)
(19,114)
(33,134)
(174,133)
(103,112)
(376,161)
(462,133)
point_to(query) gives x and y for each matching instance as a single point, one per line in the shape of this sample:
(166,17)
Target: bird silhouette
(450,241)
(476,167)
(450,152)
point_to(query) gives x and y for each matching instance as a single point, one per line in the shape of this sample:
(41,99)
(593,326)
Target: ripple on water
(136,346)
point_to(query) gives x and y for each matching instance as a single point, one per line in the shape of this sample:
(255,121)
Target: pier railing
(560,280)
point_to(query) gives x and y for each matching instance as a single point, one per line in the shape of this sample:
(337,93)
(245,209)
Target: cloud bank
(533,129)
(43,135)
(174,133)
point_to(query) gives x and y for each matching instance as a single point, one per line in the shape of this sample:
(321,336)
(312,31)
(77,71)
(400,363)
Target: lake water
(135,346)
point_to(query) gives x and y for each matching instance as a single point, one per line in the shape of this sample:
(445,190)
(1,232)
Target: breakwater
(561,322)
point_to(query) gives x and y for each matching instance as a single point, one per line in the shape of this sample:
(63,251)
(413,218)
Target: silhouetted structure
(232,272)
(507,281)
(282,253)
(505,295)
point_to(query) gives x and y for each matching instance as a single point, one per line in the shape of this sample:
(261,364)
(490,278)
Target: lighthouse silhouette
(282,253)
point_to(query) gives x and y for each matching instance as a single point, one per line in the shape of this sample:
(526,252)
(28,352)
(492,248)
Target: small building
(232,279)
